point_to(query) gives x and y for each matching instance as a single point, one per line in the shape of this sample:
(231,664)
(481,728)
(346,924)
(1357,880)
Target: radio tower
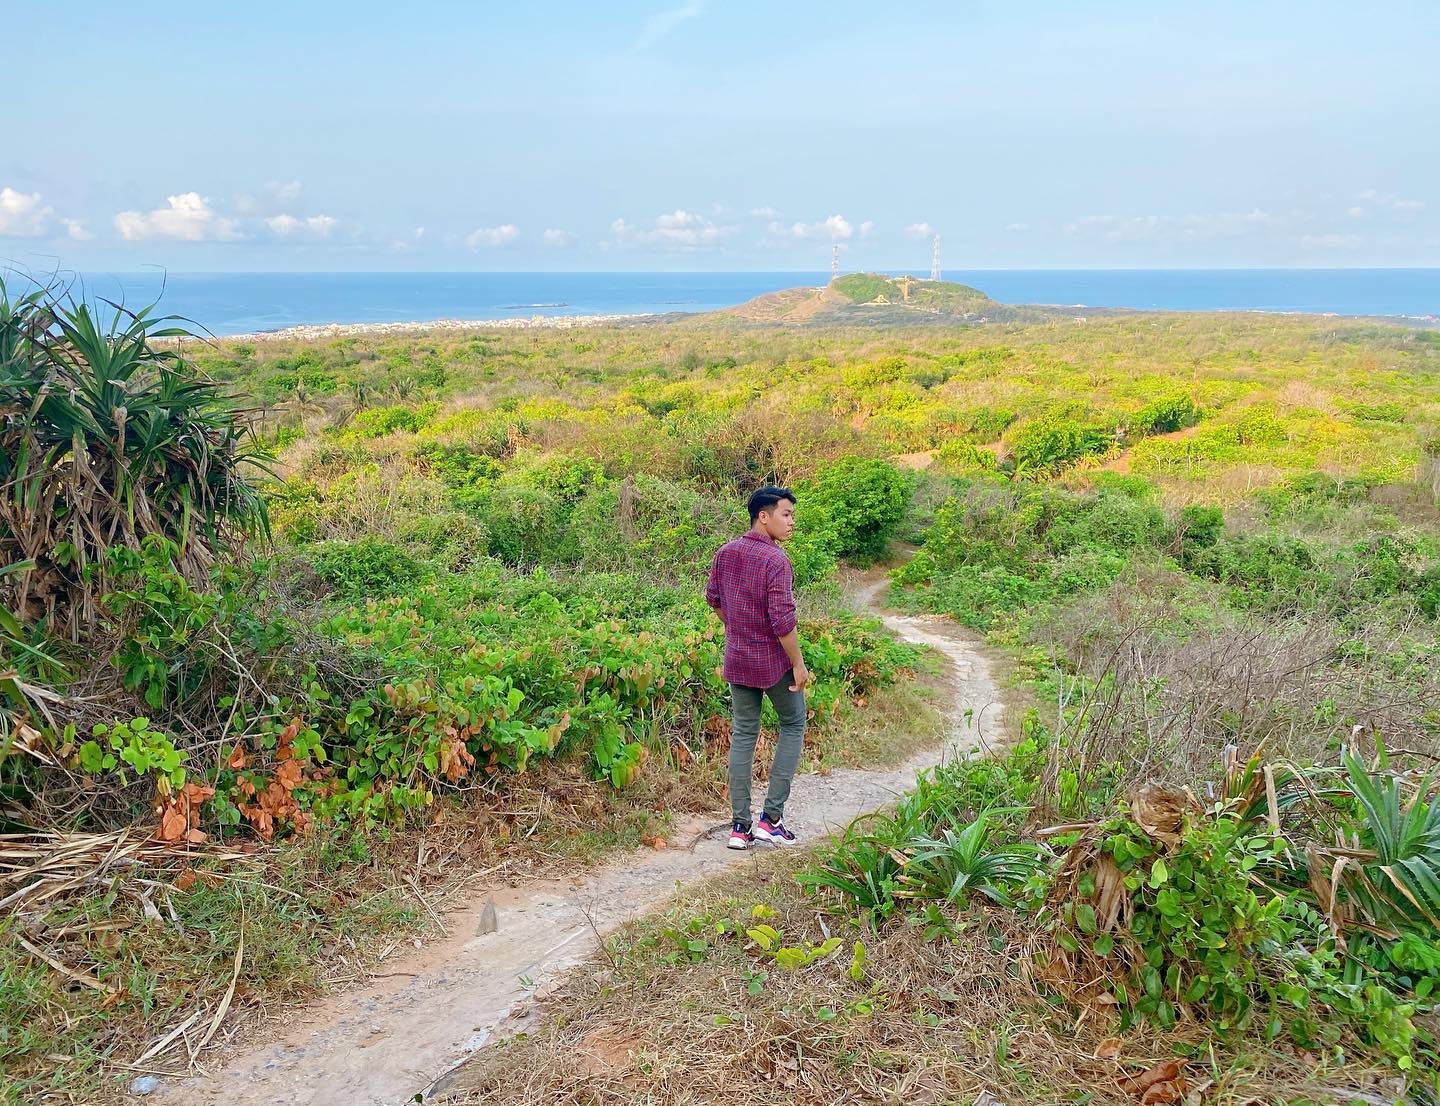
(834,260)
(935,258)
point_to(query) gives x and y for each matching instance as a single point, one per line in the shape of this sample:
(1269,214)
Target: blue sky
(720,135)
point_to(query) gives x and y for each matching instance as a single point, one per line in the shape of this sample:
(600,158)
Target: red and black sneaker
(740,837)
(774,832)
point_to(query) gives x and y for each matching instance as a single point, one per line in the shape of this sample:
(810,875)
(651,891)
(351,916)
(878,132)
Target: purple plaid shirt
(750,585)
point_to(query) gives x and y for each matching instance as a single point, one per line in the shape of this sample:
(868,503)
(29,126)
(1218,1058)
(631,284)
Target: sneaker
(740,837)
(774,832)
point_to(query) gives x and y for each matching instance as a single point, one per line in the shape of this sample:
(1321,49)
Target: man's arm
(712,589)
(780,603)
(791,644)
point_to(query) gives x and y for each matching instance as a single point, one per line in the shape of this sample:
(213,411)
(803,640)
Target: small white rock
(145,1084)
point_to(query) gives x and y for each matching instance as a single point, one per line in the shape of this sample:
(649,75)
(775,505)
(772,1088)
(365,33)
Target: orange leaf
(1109,1049)
(1164,1072)
(238,759)
(198,794)
(196,836)
(186,879)
(289,774)
(172,824)
(1161,1093)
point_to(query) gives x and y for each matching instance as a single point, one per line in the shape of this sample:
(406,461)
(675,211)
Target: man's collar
(755,535)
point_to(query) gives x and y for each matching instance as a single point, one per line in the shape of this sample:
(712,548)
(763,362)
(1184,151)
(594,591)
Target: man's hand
(802,677)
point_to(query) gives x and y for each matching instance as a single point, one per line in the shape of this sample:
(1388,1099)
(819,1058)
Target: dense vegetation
(1191,533)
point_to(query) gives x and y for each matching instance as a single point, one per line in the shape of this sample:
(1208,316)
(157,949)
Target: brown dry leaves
(180,814)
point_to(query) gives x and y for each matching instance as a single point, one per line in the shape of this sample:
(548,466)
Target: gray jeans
(745,729)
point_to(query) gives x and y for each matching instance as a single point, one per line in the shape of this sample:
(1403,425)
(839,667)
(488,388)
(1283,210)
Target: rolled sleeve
(712,589)
(780,601)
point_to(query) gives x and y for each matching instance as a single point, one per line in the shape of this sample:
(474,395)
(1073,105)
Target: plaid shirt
(750,582)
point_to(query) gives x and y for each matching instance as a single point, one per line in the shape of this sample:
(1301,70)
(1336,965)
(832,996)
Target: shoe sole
(773,839)
(738,846)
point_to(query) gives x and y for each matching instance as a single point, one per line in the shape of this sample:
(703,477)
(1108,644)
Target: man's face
(779,521)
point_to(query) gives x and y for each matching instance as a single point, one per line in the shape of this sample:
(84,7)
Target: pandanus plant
(106,439)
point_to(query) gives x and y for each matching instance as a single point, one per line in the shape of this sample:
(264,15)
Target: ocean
(238,303)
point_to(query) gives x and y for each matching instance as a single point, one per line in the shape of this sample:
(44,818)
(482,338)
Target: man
(750,587)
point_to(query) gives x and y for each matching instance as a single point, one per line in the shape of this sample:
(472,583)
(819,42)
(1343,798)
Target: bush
(963,456)
(865,501)
(1198,527)
(648,524)
(376,422)
(863,287)
(457,466)
(367,568)
(1166,415)
(1044,446)
(526,524)
(107,440)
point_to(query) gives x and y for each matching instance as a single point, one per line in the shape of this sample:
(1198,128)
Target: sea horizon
(232,303)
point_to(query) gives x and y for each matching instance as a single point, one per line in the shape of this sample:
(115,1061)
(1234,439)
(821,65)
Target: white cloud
(1356,212)
(660,25)
(764,213)
(75,228)
(552,236)
(419,233)
(1017,226)
(679,228)
(187,217)
(23,214)
(919,231)
(865,228)
(316,226)
(837,228)
(1390,200)
(1152,228)
(503,235)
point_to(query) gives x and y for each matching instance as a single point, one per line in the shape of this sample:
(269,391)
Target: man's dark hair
(766,498)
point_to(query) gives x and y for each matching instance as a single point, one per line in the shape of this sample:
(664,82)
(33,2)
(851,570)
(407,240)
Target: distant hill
(869,298)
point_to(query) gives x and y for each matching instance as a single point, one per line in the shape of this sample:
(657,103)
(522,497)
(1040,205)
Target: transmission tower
(834,260)
(935,258)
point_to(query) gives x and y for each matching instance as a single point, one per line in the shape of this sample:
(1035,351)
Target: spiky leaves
(104,439)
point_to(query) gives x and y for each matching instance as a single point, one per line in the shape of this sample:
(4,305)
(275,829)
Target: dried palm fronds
(36,868)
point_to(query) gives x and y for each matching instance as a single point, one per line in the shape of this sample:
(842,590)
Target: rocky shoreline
(356,330)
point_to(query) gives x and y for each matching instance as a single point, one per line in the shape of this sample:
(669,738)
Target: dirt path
(380,1044)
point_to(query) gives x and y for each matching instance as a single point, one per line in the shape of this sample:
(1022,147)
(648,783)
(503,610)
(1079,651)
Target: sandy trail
(381,1043)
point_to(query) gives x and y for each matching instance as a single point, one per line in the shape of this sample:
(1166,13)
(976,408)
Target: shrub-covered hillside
(302,604)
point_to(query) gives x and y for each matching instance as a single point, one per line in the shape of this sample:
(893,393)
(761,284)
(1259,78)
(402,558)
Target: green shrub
(1198,527)
(1166,415)
(457,466)
(1267,570)
(1379,412)
(1260,425)
(963,456)
(977,596)
(1118,523)
(863,287)
(1046,445)
(376,422)
(526,524)
(367,568)
(648,524)
(865,501)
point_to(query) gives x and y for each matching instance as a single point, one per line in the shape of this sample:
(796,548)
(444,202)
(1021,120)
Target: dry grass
(931,1022)
(1164,691)
(116,946)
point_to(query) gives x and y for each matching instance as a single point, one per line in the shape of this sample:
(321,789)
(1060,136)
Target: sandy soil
(382,1043)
